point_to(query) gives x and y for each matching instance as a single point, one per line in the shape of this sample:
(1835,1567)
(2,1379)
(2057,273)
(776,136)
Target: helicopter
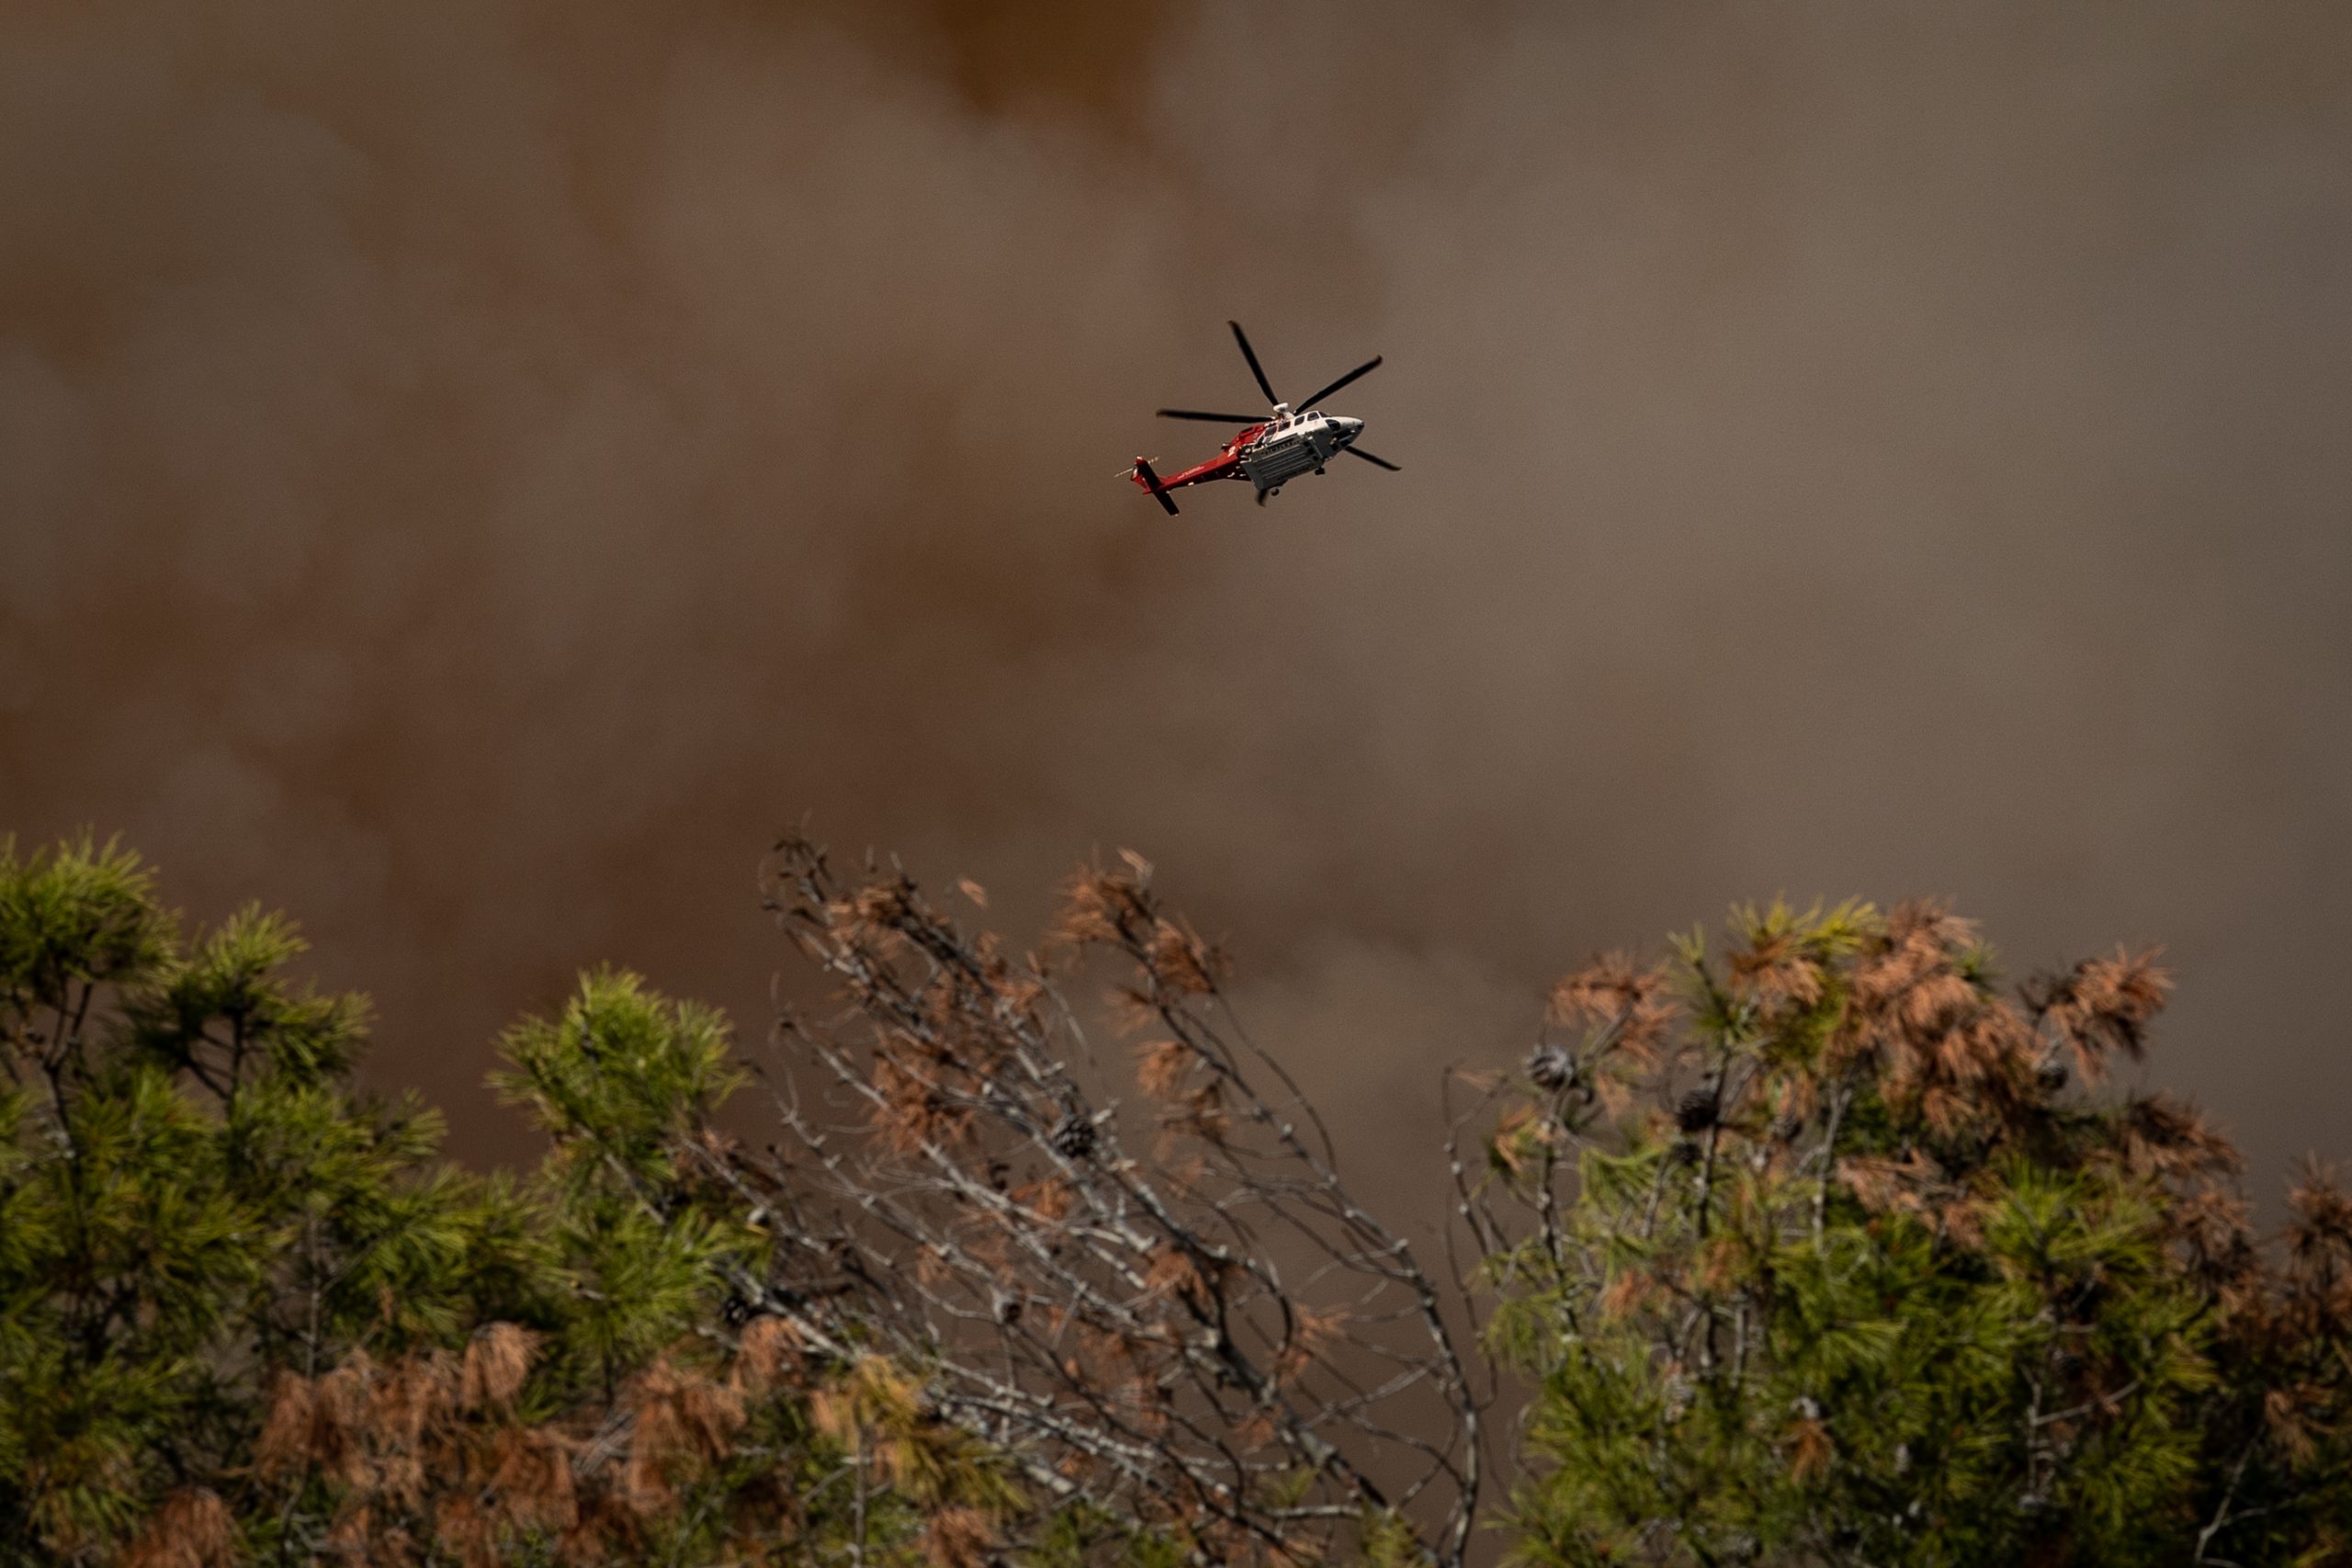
(1271,448)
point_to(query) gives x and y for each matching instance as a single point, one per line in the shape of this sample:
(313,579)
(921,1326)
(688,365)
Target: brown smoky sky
(472,471)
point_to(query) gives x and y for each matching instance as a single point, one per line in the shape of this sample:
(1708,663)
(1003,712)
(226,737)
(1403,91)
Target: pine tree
(248,1314)
(192,1200)
(1820,1253)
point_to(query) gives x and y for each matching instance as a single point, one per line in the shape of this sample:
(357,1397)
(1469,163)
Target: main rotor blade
(1381,462)
(1212,418)
(1367,368)
(1251,356)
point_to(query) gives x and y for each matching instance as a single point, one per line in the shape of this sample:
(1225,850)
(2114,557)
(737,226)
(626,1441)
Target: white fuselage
(1292,445)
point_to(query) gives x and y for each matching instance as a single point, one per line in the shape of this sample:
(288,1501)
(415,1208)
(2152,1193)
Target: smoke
(468,473)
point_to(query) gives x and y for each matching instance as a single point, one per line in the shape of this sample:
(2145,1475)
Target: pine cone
(1695,1112)
(1551,1067)
(1072,1137)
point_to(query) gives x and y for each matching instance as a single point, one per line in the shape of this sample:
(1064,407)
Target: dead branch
(1211,1336)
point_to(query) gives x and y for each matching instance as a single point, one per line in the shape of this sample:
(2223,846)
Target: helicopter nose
(1349,429)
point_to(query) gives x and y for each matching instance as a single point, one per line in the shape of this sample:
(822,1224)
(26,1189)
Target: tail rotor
(1141,473)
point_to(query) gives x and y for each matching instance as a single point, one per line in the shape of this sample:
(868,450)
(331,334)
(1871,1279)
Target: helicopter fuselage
(1294,444)
(1272,454)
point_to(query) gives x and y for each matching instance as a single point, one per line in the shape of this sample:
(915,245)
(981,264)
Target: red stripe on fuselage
(1226,465)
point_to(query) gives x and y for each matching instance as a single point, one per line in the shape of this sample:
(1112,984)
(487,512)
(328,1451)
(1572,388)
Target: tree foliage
(1825,1249)
(1821,1252)
(247,1313)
